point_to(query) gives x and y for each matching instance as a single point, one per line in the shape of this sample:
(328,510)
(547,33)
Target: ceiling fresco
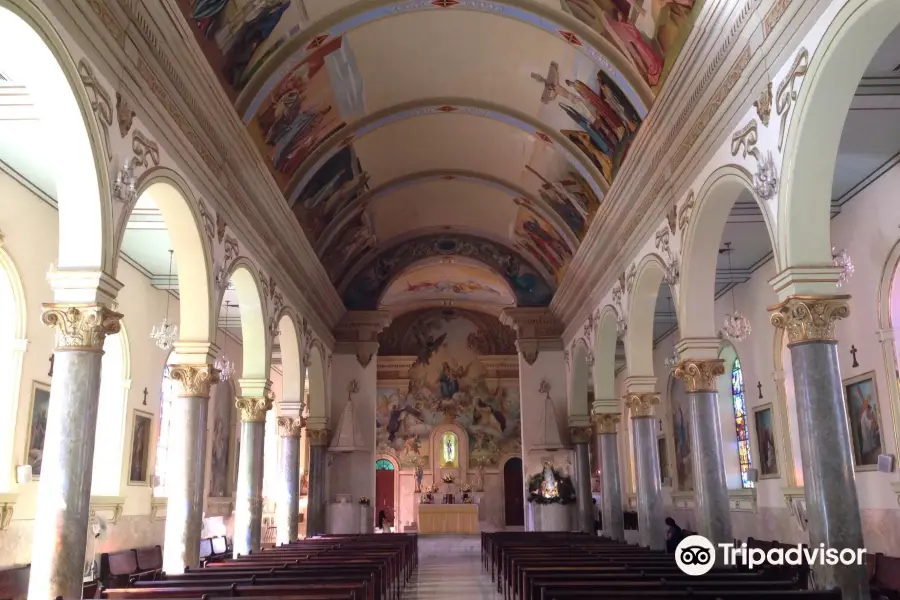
(375,146)
(448,281)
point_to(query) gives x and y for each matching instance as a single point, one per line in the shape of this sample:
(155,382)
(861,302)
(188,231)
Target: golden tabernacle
(448,518)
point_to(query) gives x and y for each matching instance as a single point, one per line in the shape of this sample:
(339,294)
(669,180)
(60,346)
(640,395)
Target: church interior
(358,299)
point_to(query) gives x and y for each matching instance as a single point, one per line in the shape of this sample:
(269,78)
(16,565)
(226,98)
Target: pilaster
(357,333)
(536,329)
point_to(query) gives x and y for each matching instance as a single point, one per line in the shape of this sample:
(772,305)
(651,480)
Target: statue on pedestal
(549,485)
(419,474)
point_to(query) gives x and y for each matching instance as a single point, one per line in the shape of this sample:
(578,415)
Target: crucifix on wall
(759,387)
(853,351)
(145,396)
(50,372)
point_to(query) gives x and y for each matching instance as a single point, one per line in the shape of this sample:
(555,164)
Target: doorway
(513,493)
(384,491)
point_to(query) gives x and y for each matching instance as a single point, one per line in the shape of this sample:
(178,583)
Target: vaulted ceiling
(445,152)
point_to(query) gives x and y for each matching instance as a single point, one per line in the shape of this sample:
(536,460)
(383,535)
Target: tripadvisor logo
(696,555)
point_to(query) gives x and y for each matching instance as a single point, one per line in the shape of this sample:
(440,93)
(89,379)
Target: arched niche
(13,313)
(435,441)
(170,193)
(35,55)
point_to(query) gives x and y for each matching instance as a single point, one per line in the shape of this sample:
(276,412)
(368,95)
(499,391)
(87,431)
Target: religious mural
(649,33)
(448,280)
(355,239)
(447,384)
(529,285)
(537,239)
(571,198)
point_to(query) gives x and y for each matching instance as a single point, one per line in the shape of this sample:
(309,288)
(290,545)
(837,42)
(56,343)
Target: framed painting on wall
(864,419)
(663,459)
(37,427)
(139,460)
(764,423)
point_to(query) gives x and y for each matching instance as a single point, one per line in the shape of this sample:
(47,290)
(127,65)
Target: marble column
(317,501)
(186,468)
(288,507)
(64,493)
(825,448)
(581,437)
(610,484)
(711,488)
(249,500)
(651,517)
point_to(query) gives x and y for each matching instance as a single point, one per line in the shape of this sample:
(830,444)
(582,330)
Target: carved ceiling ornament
(254,409)
(101,103)
(670,259)
(207,219)
(124,115)
(195,380)
(745,140)
(145,150)
(290,427)
(810,318)
(765,180)
(699,375)
(641,405)
(81,326)
(763,105)
(684,215)
(223,271)
(629,280)
(606,423)
(221,226)
(787,93)
(672,217)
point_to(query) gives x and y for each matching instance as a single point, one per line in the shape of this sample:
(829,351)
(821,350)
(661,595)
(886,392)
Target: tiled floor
(450,567)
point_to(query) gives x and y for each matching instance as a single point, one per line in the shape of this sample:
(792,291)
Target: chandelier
(166,333)
(842,260)
(673,360)
(737,328)
(223,365)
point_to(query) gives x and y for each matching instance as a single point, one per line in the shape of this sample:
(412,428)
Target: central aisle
(450,567)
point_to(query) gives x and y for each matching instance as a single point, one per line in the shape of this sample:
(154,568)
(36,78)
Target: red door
(514,493)
(384,491)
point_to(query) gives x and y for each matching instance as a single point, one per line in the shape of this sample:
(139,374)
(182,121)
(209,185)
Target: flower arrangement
(550,487)
(364,501)
(431,489)
(465,488)
(447,478)
(467,499)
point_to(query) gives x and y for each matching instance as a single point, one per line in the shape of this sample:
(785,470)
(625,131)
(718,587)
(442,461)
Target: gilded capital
(195,380)
(81,326)
(810,318)
(290,426)
(317,437)
(699,375)
(641,405)
(606,423)
(580,435)
(254,409)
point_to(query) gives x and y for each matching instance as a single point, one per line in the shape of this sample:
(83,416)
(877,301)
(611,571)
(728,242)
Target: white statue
(549,485)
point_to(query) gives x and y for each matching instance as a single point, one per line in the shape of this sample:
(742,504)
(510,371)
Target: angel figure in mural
(295,143)
(395,420)
(631,41)
(487,419)
(427,344)
(449,379)
(546,240)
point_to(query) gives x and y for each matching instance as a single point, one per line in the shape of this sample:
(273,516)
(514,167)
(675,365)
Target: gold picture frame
(864,420)
(140,447)
(766,439)
(37,427)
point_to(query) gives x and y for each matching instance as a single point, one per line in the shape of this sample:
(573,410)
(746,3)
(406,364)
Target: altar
(448,518)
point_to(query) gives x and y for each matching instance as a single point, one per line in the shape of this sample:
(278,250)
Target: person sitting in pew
(674,535)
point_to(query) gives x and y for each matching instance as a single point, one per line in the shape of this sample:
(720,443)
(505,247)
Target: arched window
(449,450)
(383,464)
(740,422)
(167,396)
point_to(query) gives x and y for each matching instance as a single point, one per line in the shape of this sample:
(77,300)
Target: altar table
(448,518)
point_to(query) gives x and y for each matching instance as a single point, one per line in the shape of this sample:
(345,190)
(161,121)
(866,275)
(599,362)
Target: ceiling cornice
(761,32)
(173,89)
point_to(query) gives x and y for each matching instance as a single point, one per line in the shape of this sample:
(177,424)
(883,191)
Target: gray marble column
(186,468)
(613,518)
(317,501)
(64,492)
(581,437)
(288,508)
(249,499)
(711,488)
(832,504)
(651,518)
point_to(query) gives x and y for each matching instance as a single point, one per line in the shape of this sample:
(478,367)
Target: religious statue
(549,485)
(419,474)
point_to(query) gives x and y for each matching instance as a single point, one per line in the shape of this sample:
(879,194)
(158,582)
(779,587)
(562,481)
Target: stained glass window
(383,464)
(449,450)
(740,423)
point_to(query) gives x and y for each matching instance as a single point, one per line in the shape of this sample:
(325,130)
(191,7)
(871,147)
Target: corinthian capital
(580,435)
(253,410)
(290,427)
(699,375)
(317,437)
(81,326)
(641,405)
(195,380)
(810,318)
(606,423)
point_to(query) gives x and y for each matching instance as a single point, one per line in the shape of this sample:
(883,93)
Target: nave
(449,567)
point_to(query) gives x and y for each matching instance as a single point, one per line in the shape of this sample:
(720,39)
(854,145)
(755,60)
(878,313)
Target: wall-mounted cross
(853,351)
(759,387)
(50,372)
(145,396)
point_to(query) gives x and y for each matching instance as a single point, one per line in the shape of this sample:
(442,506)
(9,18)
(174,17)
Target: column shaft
(248,504)
(713,508)
(64,492)
(611,487)
(583,495)
(316,498)
(649,489)
(288,506)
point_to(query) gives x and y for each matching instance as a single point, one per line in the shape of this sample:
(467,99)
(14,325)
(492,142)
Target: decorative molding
(317,437)
(779,7)
(145,150)
(219,507)
(536,329)
(743,500)
(810,318)
(580,435)
(699,376)
(787,93)
(641,405)
(670,259)
(629,279)
(81,326)
(290,427)
(357,333)
(7,508)
(684,215)
(101,103)
(684,499)
(158,508)
(195,380)
(606,423)
(208,225)
(124,115)
(253,410)
(763,105)
(109,507)
(745,139)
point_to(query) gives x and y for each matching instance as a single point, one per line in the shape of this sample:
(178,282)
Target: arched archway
(888,314)
(580,377)
(13,313)
(649,275)
(606,340)
(254,333)
(35,55)
(111,448)
(815,129)
(317,376)
(387,488)
(293,370)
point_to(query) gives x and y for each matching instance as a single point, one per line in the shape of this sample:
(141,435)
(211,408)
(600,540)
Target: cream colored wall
(30,229)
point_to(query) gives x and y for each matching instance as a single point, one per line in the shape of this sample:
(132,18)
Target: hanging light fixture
(673,360)
(225,366)
(166,333)
(737,327)
(842,260)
